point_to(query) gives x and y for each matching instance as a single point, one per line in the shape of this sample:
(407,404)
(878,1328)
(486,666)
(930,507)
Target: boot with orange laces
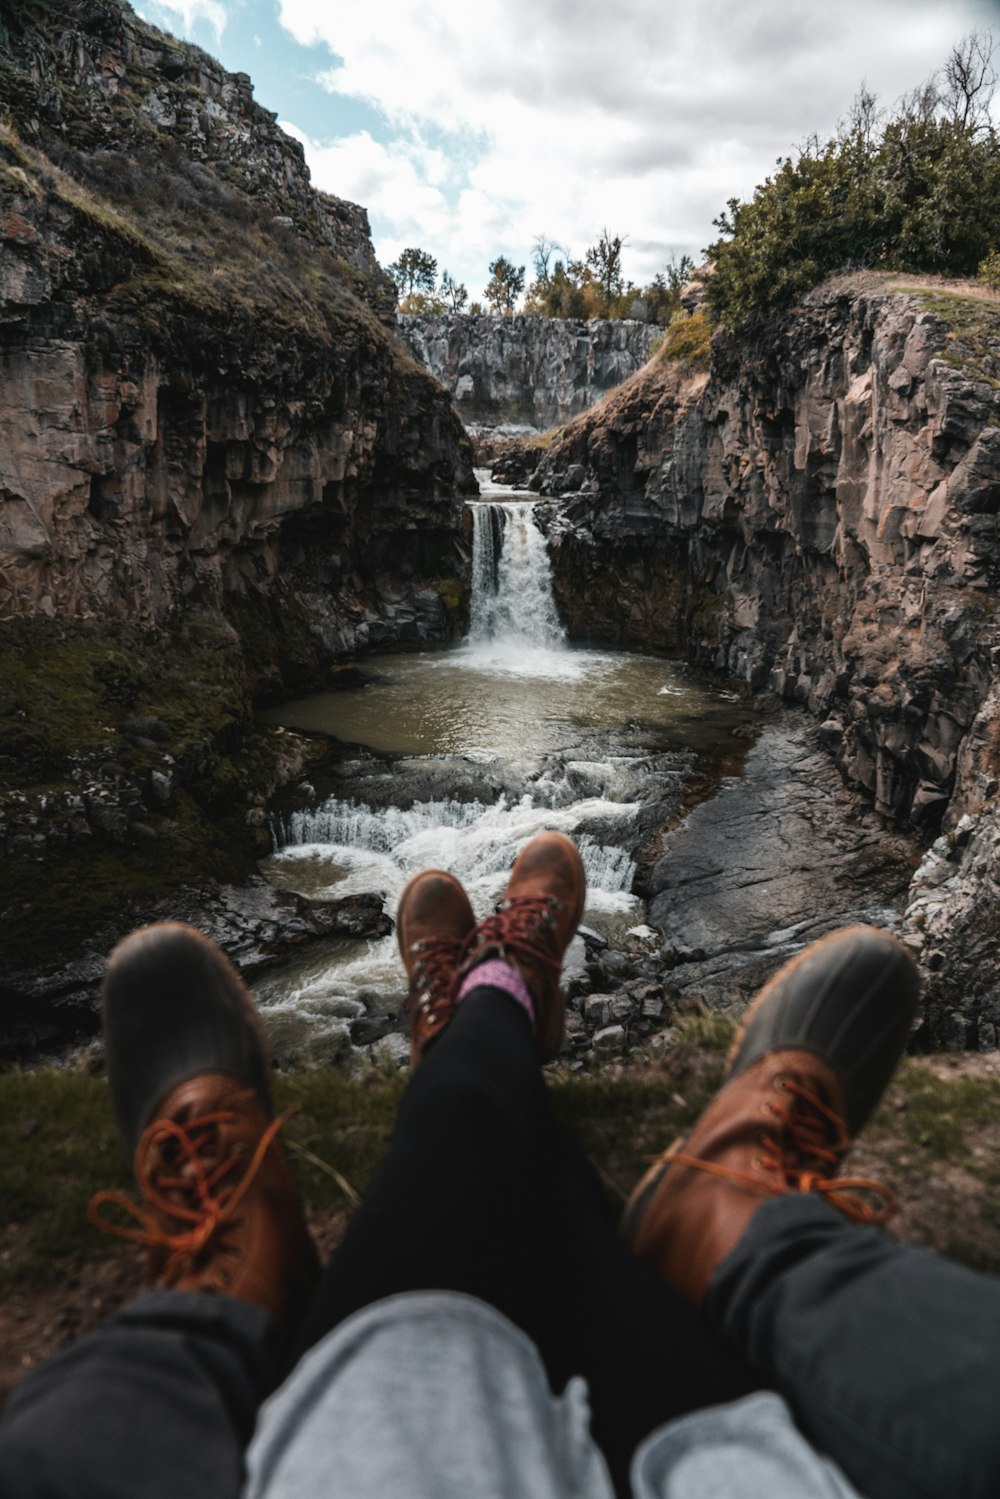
(520,948)
(191,1092)
(807,1068)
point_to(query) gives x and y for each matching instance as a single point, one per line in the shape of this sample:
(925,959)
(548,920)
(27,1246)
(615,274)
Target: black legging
(482,1192)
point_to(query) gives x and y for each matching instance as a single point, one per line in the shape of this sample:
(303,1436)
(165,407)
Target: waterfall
(379,848)
(512,604)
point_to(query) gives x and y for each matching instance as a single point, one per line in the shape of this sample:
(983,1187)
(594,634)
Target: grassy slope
(936,1140)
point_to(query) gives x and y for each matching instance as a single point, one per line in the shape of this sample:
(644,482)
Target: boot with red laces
(533,926)
(809,1064)
(434,923)
(190,1084)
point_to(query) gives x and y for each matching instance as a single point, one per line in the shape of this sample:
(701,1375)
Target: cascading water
(512,609)
(491,743)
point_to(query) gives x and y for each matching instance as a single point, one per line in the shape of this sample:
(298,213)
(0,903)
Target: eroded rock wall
(534,371)
(819,516)
(219,472)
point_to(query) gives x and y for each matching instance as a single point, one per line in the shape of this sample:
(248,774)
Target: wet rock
(391,1053)
(372,1028)
(350,916)
(773,860)
(596,1010)
(610,1040)
(576,982)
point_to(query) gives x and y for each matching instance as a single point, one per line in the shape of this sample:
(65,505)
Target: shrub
(989,270)
(917,192)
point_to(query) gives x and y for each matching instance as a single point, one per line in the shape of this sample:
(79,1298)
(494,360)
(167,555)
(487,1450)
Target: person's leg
(889,1355)
(482,1193)
(162,1400)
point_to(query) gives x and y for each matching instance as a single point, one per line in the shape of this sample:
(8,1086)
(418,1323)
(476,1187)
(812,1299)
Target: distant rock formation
(538,372)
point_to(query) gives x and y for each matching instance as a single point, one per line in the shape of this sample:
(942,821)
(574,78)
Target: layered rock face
(217,472)
(538,372)
(819,516)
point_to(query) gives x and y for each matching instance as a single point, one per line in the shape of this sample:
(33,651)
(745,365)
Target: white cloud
(188,12)
(510,117)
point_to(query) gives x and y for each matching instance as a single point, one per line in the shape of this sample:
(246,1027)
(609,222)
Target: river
(456,758)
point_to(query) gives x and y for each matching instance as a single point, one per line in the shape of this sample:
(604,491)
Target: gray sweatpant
(434,1395)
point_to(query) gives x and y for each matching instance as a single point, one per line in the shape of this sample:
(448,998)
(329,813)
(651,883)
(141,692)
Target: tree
(414,271)
(453,293)
(541,256)
(505,285)
(968,81)
(605,260)
(663,295)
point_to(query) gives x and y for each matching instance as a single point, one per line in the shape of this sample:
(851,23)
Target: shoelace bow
(519,924)
(818,1134)
(201,1198)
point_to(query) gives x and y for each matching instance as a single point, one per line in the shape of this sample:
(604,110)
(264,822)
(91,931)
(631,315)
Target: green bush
(989,270)
(919,194)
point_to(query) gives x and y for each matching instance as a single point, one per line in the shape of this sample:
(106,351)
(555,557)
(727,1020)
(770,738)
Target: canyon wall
(537,372)
(819,515)
(220,473)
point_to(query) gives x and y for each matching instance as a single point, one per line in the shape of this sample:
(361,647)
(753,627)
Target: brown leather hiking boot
(534,925)
(190,1084)
(808,1065)
(433,925)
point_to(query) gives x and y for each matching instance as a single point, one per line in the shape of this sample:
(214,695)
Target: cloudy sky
(469,127)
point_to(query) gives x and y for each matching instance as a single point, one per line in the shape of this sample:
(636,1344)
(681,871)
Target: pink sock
(496,973)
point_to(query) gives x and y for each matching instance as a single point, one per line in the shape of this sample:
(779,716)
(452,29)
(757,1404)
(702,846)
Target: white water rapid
(490,743)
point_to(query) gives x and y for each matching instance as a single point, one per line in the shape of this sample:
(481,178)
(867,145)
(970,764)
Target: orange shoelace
(201,1198)
(435,973)
(517,926)
(818,1136)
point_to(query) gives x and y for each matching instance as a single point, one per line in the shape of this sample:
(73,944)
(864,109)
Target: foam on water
(364,848)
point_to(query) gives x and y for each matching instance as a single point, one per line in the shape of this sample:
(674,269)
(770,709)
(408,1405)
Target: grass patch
(687,341)
(935,1140)
(973,341)
(58,1143)
(941,1115)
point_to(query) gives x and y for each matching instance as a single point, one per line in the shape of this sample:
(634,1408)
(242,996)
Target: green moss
(972,340)
(64,705)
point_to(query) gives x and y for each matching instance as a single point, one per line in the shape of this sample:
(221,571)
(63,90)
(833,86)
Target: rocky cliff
(538,372)
(819,516)
(219,470)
